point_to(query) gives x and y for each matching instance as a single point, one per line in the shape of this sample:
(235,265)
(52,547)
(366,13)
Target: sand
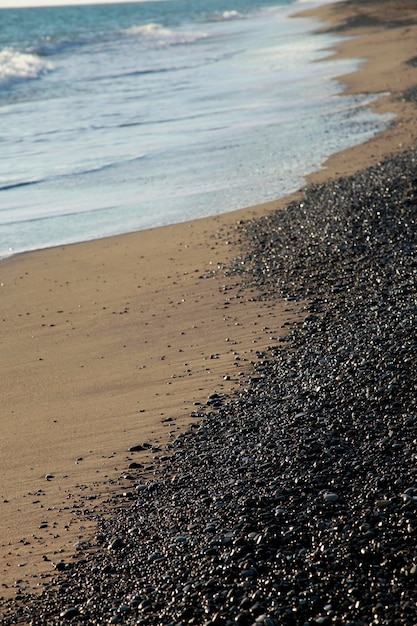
(111,343)
(100,343)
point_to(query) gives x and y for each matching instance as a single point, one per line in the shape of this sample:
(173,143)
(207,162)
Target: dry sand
(100,343)
(103,341)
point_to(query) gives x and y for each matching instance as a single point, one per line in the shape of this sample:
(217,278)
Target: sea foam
(160,35)
(225,16)
(157,113)
(17,66)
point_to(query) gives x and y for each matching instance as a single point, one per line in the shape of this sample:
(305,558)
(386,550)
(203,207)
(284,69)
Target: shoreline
(369,43)
(44,225)
(192,288)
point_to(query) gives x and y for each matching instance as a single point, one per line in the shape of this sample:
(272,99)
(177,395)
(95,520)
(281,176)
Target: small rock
(69,613)
(331,497)
(136,448)
(116,544)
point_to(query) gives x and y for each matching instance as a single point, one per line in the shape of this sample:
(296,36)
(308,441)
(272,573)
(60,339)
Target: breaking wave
(160,35)
(17,66)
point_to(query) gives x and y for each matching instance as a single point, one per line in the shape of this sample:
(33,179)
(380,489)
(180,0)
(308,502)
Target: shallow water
(121,117)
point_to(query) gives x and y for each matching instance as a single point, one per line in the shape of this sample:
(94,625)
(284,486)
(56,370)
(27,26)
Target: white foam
(226,16)
(162,36)
(15,66)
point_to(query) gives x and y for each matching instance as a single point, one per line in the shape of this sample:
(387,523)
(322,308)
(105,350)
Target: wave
(54,216)
(23,183)
(48,48)
(106,166)
(225,16)
(162,36)
(77,172)
(17,66)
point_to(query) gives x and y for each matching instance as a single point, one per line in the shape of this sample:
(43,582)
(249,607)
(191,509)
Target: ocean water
(120,117)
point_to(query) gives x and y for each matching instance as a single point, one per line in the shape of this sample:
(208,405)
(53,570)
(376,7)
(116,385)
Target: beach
(161,333)
(112,348)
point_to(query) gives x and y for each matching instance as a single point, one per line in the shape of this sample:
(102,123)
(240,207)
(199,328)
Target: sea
(121,117)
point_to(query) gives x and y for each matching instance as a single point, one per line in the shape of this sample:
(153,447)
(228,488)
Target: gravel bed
(295,501)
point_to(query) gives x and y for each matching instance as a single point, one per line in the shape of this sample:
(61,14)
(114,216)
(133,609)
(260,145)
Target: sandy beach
(102,342)
(114,343)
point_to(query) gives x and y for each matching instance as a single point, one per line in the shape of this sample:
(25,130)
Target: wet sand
(104,342)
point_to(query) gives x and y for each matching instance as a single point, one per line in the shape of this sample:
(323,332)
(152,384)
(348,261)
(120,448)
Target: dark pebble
(116,544)
(69,613)
(136,448)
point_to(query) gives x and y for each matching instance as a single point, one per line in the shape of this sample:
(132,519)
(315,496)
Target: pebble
(135,465)
(331,497)
(136,448)
(69,613)
(116,543)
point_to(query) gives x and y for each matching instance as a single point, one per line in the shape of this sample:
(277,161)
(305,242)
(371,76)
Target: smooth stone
(116,544)
(331,497)
(136,448)
(70,613)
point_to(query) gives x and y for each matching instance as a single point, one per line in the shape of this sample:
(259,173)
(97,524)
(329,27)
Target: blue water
(120,117)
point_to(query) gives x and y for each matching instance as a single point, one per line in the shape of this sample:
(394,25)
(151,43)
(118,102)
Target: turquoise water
(120,117)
